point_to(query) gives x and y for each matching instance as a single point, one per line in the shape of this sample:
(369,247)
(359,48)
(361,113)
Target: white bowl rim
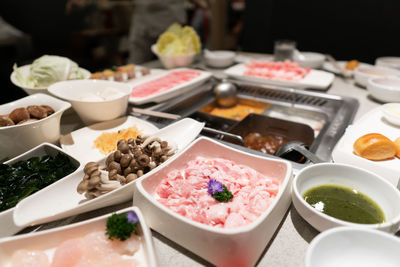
(295,191)
(316,56)
(361,70)
(65,106)
(128,92)
(343,229)
(372,81)
(155,51)
(15,82)
(222,54)
(230,231)
(30,151)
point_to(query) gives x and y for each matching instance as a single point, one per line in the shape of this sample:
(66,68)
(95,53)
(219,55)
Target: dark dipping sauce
(268,143)
(345,204)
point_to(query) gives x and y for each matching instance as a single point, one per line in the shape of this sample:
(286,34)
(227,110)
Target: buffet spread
(223,201)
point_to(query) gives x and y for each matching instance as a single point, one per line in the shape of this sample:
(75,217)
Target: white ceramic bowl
(170,62)
(80,93)
(385,89)
(363,73)
(351,247)
(391,112)
(19,138)
(48,240)
(390,62)
(309,59)
(377,188)
(7,224)
(219,58)
(33,90)
(241,246)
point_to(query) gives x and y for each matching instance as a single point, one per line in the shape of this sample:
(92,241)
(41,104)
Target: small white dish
(48,240)
(386,196)
(17,139)
(25,70)
(391,112)
(328,66)
(351,247)
(390,62)
(315,79)
(371,122)
(240,246)
(80,143)
(385,89)
(309,59)
(94,100)
(178,87)
(66,201)
(219,58)
(170,62)
(363,73)
(7,225)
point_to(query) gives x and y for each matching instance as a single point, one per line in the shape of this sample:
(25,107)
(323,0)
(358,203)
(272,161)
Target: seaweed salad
(23,178)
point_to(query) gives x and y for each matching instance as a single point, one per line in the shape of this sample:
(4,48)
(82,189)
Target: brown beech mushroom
(19,114)
(5,121)
(37,112)
(49,110)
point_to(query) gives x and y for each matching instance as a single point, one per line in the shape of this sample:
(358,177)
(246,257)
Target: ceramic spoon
(61,199)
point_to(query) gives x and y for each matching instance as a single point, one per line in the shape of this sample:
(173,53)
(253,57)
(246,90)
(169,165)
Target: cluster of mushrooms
(132,159)
(23,115)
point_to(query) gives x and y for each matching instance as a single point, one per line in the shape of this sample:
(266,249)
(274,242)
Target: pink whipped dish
(186,192)
(287,70)
(164,83)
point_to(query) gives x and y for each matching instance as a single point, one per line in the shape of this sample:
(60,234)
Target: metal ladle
(225,94)
(286,151)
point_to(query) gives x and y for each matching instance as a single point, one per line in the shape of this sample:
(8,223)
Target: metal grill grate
(279,95)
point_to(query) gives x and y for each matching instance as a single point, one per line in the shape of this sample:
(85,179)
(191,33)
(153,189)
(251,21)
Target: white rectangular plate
(170,93)
(48,240)
(372,122)
(80,143)
(315,79)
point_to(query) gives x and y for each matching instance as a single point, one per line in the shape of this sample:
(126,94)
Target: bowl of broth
(328,195)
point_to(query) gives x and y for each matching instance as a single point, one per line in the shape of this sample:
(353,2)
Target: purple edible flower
(214,187)
(132,217)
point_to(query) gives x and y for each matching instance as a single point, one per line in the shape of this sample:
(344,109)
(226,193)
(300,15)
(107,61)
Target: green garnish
(114,68)
(224,196)
(121,226)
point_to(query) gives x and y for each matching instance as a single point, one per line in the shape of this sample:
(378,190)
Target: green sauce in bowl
(345,204)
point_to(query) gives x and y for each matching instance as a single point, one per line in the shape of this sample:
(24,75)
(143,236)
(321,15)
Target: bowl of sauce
(328,195)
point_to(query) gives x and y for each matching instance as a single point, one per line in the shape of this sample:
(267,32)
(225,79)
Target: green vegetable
(118,226)
(47,70)
(26,177)
(223,196)
(344,203)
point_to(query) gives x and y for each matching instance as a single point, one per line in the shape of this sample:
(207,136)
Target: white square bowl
(241,246)
(17,139)
(49,239)
(7,224)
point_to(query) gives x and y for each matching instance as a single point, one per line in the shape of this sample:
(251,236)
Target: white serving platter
(48,240)
(371,122)
(342,63)
(80,143)
(315,79)
(170,93)
(61,199)
(7,225)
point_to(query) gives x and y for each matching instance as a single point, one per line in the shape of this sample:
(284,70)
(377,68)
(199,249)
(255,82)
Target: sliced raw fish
(29,258)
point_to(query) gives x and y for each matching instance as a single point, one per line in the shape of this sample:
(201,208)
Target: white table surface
(289,244)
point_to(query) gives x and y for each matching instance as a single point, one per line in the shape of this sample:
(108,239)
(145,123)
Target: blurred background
(97,34)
